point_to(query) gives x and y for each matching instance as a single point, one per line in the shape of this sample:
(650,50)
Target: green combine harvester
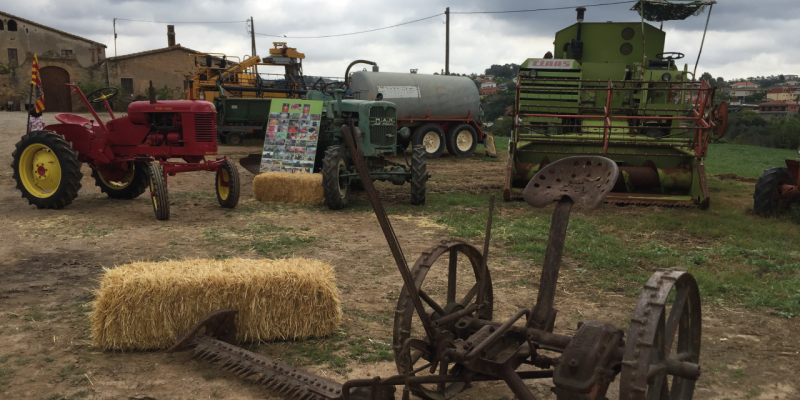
(610,89)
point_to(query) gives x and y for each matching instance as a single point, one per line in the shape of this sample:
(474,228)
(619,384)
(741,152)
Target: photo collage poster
(290,143)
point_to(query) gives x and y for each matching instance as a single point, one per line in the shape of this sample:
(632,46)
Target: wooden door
(56,93)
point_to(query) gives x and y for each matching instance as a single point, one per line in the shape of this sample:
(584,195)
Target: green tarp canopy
(664,10)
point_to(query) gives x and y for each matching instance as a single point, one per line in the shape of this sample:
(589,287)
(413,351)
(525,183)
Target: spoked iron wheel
(663,347)
(451,288)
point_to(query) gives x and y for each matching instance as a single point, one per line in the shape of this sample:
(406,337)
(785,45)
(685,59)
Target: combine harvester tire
(767,199)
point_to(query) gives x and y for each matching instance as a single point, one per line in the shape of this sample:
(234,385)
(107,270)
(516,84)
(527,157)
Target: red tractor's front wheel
(227,185)
(158,191)
(46,169)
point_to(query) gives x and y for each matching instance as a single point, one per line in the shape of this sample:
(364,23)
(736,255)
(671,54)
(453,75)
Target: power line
(542,9)
(352,33)
(182,22)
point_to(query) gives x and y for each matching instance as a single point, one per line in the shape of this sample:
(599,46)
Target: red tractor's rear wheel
(46,169)
(123,185)
(227,185)
(158,192)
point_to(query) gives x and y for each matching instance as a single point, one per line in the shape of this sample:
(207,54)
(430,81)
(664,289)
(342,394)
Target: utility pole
(115,37)
(447,42)
(253,37)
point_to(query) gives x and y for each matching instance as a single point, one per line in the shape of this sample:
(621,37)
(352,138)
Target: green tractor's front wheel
(46,169)
(132,183)
(419,175)
(335,190)
(767,198)
(227,185)
(158,192)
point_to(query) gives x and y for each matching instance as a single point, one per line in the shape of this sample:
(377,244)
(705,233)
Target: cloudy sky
(745,38)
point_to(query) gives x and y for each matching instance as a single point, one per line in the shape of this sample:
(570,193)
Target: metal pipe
(347,71)
(265,90)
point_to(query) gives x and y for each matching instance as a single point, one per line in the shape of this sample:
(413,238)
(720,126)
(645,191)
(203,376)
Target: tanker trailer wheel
(46,169)
(767,197)
(431,137)
(227,184)
(419,175)
(133,182)
(449,274)
(461,140)
(662,350)
(158,191)
(234,139)
(335,190)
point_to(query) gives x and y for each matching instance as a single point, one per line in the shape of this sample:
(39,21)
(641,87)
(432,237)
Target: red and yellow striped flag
(36,81)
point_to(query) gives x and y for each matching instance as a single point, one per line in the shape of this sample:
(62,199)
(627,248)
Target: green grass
(743,259)
(743,160)
(269,240)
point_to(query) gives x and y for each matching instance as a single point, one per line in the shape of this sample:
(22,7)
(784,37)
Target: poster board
(290,142)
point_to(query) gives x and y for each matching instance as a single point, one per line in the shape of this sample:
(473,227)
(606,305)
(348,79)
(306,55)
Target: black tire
(462,140)
(336,195)
(431,137)
(34,185)
(227,174)
(131,187)
(158,192)
(234,139)
(766,199)
(419,175)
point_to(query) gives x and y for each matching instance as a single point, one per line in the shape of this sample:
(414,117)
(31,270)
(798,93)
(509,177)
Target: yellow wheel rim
(223,178)
(153,195)
(464,140)
(431,141)
(121,184)
(40,170)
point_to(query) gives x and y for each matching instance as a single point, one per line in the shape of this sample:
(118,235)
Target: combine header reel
(441,345)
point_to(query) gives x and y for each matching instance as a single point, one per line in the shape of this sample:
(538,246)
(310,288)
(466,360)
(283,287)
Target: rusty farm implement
(445,337)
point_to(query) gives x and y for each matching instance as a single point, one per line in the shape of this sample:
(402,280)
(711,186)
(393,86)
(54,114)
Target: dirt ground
(52,260)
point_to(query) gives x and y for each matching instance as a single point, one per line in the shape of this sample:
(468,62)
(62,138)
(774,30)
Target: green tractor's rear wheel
(132,184)
(461,140)
(767,197)
(227,185)
(335,190)
(419,175)
(46,169)
(431,137)
(158,192)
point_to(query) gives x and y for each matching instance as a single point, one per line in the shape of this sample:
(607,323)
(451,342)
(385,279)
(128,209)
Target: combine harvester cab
(610,89)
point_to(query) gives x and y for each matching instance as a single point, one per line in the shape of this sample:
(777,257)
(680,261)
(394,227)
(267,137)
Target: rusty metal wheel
(449,289)
(663,347)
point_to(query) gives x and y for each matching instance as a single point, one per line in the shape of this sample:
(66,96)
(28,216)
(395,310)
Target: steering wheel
(333,86)
(100,94)
(670,55)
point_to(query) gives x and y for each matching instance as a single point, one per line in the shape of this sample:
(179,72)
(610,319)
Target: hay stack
(286,187)
(146,305)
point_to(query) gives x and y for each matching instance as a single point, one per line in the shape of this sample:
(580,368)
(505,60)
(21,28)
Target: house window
(127,85)
(12,57)
(1,25)
(12,25)
(66,53)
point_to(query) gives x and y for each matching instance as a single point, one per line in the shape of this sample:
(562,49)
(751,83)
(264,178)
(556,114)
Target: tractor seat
(72,119)
(587,180)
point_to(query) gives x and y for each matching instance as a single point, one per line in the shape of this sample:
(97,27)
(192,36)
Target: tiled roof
(155,51)
(29,22)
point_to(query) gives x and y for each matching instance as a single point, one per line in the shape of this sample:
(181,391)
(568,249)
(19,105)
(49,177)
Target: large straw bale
(146,305)
(286,187)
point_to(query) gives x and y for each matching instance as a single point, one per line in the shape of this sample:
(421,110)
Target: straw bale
(286,187)
(146,305)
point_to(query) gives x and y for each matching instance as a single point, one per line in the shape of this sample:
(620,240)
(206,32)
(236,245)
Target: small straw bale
(146,305)
(286,187)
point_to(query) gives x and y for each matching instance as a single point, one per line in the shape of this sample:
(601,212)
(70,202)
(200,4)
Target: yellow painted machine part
(40,170)
(152,196)
(224,191)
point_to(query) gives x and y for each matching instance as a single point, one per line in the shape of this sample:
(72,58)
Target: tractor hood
(137,110)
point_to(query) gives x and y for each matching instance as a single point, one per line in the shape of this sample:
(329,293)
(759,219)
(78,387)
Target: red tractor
(123,152)
(778,188)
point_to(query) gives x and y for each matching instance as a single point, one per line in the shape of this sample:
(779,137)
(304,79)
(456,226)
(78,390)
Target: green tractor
(374,123)
(610,89)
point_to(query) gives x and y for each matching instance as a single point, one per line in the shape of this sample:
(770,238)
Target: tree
(495,105)
(721,82)
(503,71)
